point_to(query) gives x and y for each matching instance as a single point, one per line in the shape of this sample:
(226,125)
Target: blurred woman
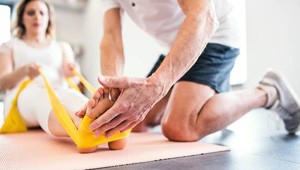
(34,46)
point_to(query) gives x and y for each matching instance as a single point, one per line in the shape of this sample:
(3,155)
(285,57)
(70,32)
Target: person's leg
(36,110)
(194,110)
(31,102)
(212,69)
(100,103)
(73,101)
(191,123)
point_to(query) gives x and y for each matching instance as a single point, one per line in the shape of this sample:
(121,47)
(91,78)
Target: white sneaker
(287,105)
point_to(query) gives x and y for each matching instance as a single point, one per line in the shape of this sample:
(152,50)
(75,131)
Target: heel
(118,144)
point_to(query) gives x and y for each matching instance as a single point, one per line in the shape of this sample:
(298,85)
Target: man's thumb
(113,82)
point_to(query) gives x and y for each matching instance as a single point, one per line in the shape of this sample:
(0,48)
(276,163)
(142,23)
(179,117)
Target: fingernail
(92,127)
(97,134)
(101,78)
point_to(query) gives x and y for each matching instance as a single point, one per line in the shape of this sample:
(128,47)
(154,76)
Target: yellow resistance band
(82,137)
(14,122)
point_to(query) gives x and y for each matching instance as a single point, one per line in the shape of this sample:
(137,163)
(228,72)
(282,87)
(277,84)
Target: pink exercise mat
(37,150)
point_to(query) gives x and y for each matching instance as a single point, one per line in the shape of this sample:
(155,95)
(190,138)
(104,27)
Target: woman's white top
(50,59)
(163,18)
(33,102)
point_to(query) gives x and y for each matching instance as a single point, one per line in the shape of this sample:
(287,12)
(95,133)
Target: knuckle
(109,81)
(141,118)
(115,130)
(133,118)
(126,80)
(110,125)
(123,107)
(96,124)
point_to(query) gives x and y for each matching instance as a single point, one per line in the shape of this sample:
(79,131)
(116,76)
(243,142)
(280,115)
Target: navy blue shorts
(212,68)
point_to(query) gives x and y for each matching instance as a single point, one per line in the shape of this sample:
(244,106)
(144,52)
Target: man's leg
(194,110)
(189,117)
(191,114)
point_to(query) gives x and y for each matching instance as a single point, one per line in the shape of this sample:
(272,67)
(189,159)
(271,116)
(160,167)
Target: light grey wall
(273,39)
(82,28)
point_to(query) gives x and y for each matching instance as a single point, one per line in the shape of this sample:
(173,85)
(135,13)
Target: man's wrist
(163,85)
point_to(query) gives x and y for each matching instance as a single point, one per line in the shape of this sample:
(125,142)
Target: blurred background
(270,31)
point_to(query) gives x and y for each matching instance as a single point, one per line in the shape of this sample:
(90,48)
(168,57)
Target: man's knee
(180,131)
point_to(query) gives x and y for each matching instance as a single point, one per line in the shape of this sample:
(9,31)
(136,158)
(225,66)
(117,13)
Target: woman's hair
(18,28)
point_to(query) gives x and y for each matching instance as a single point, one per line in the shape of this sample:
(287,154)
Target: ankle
(271,92)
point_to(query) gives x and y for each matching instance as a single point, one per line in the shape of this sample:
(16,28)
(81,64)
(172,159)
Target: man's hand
(113,93)
(137,97)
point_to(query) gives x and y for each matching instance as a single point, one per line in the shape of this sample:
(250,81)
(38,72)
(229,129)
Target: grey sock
(272,94)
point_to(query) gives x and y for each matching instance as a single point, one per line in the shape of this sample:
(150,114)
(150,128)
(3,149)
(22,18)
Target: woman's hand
(10,78)
(31,70)
(137,96)
(68,68)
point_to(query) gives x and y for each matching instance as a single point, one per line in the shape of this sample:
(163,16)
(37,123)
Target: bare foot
(87,150)
(118,144)
(92,105)
(99,103)
(96,106)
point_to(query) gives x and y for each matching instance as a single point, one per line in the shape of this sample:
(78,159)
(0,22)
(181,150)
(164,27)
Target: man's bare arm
(195,32)
(112,55)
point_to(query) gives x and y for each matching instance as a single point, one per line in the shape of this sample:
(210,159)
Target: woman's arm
(68,60)
(9,77)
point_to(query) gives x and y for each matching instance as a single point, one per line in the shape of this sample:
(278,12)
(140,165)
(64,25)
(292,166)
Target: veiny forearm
(194,34)
(10,80)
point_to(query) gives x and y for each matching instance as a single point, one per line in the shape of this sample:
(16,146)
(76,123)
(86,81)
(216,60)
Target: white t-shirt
(49,58)
(33,102)
(162,19)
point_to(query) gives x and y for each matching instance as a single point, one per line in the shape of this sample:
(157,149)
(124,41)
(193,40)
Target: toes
(97,95)
(91,103)
(102,106)
(100,103)
(89,111)
(106,93)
